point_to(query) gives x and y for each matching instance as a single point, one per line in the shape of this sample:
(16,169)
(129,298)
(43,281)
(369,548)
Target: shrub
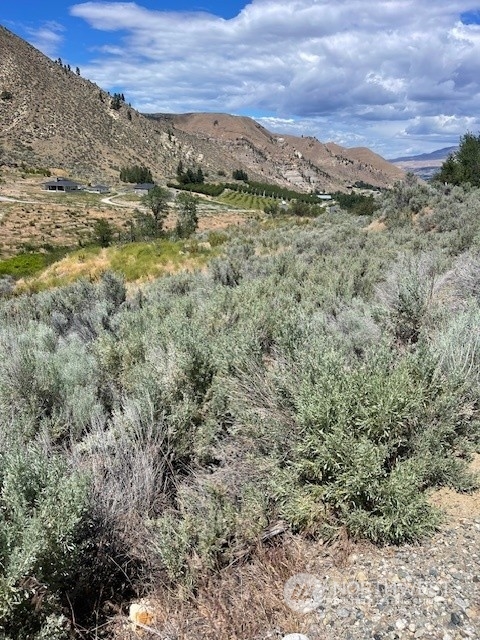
(240,174)
(408,197)
(43,512)
(408,295)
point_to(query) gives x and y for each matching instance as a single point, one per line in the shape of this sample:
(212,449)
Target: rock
(456,619)
(295,636)
(473,613)
(401,624)
(141,613)
(463,604)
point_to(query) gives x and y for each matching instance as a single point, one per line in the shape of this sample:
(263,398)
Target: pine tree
(463,165)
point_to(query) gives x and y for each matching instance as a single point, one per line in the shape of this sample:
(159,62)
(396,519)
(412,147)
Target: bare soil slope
(296,162)
(52,117)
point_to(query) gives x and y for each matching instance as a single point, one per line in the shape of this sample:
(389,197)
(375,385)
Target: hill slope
(438,154)
(57,118)
(299,162)
(53,117)
(424,165)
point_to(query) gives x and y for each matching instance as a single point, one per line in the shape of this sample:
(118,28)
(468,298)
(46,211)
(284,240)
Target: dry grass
(246,601)
(242,602)
(45,219)
(376,225)
(138,262)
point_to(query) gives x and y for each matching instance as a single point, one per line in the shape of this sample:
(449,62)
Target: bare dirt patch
(41,219)
(376,225)
(459,506)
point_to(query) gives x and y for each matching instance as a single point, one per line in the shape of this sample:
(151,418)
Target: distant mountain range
(439,154)
(52,117)
(424,165)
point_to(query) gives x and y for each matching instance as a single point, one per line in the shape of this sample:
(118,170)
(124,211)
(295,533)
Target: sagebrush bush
(316,376)
(44,506)
(407,198)
(407,295)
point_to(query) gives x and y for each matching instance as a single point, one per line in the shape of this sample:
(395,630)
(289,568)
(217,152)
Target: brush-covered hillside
(182,441)
(302,163)
(52,117)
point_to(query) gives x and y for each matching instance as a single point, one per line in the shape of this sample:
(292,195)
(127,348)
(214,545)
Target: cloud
(47,38)
(336,66)
(442,125)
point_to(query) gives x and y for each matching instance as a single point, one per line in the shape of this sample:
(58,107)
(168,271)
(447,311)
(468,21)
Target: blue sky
(398,76)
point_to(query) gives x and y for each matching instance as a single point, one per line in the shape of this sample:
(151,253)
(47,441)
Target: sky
(398,76)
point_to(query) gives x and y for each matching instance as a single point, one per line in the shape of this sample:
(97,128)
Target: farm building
(144,188)
(99,188)
(62,185)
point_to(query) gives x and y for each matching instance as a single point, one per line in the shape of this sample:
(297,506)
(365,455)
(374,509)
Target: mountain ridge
(53,117)
(438,154)
(424,165)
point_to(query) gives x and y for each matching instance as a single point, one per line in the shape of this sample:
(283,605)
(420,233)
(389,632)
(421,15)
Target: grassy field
(29,264)
(136,261)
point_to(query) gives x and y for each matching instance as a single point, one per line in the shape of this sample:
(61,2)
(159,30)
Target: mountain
(439,154)
(425,164)
(297,162)
(52,117)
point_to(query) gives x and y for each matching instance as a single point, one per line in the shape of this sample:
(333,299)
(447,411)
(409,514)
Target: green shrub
(408,197)
(408,295)
(43,511)
(314,373)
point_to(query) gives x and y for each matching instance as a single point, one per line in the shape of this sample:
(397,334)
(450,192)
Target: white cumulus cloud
(385,74)
(47,38)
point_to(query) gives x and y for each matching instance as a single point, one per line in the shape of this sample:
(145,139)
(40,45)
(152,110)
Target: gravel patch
(429,591)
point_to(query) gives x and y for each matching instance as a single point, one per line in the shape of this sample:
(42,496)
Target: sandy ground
(459,506)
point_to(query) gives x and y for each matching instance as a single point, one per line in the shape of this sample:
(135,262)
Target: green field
(134,261)
(243,200)
(28,264)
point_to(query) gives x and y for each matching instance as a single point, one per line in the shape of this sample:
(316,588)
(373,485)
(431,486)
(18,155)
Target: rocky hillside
(299,162)
(52,117)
